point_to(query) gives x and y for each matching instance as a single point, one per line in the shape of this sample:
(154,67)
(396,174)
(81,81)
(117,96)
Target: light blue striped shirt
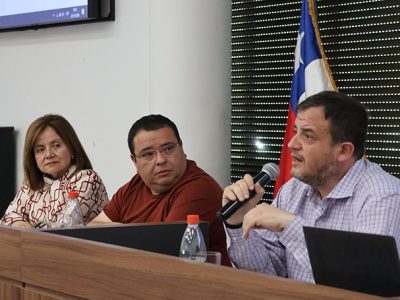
(367,199)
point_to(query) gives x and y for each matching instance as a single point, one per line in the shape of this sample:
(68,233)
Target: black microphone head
(272,170)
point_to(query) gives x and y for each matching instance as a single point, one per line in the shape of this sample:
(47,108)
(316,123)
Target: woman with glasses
(55,164)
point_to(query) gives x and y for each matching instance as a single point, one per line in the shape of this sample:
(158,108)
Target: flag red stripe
(285,163)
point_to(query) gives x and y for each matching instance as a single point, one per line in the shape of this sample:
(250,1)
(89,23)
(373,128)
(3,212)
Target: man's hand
(102,219)
(267,217)
(240,191)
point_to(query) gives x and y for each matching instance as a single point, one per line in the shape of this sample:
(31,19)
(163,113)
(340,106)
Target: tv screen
(33,14)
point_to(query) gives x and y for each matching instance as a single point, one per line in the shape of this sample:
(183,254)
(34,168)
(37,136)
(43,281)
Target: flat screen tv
(34,14)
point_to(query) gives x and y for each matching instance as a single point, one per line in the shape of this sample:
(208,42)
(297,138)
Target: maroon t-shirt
(195,193)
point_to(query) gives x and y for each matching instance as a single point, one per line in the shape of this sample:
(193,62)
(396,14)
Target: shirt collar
(347,184)
(68,174)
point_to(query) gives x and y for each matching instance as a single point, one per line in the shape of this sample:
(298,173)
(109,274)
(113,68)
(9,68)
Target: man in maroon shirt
(167,186)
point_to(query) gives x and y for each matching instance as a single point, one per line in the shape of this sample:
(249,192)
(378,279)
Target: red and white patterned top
(39,207)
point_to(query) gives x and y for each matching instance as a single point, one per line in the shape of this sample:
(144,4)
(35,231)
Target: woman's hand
(22,224)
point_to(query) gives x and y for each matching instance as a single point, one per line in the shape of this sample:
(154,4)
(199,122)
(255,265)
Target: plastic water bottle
(72,212)
(193,246)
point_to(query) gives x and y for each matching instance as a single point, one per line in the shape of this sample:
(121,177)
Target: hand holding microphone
(269,172)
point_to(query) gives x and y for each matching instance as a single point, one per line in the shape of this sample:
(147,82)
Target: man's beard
(320,176)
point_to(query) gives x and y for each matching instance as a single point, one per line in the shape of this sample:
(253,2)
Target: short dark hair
(347,116)
(33,176)
(150,123)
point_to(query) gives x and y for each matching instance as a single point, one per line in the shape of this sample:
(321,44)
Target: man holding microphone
(333,187)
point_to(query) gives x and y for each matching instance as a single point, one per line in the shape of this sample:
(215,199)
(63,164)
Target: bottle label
(72,214)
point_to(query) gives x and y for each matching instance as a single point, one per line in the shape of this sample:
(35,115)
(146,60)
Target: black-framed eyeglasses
(150,154)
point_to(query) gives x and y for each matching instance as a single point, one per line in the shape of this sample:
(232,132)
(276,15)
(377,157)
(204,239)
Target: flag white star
(297,52)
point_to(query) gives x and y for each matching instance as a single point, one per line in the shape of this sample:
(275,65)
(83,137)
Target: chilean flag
(311,75)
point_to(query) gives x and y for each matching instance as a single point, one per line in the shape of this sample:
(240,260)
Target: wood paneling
(10,248)
(97,271)
(36,293)
(10,289)
(45,266)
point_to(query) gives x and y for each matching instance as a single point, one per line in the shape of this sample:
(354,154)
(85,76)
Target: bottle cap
(73,194)
(193,219)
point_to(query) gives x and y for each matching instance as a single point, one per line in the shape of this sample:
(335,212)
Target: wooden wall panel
(10,248)
(98,271)
(10,289)
(44,266)
(36,293)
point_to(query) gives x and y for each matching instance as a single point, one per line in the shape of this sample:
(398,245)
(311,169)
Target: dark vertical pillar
(7,167)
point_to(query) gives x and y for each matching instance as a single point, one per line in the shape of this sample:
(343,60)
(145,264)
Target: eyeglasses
(149,155)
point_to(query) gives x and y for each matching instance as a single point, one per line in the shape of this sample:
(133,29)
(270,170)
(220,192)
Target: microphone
(269,172)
